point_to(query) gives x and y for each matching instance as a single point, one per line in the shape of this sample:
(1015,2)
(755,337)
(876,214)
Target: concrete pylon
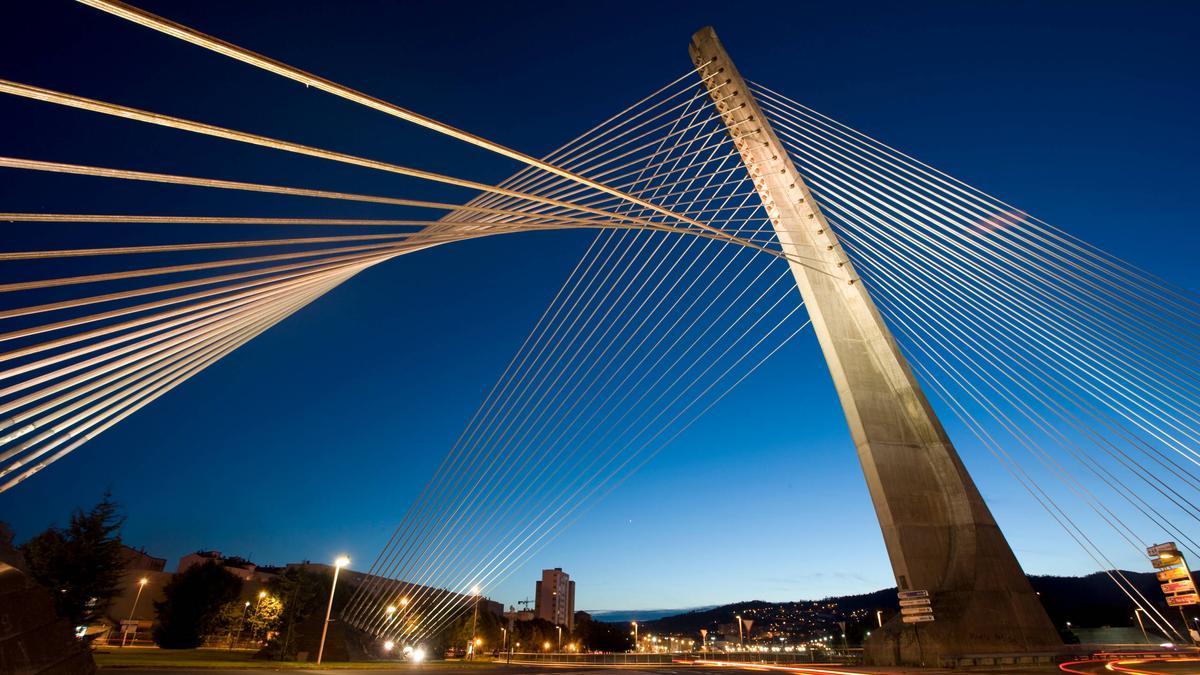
(940,535)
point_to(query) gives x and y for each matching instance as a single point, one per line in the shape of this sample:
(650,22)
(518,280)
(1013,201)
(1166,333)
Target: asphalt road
(1148,667)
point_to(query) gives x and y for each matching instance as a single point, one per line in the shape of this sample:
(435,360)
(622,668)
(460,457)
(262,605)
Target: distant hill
(1092,601)
(627,615)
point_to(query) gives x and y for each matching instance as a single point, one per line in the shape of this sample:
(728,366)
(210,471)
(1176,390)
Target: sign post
(915,606)
(1178,586)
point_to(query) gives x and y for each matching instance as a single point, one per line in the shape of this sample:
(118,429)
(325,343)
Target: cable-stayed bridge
(714,199)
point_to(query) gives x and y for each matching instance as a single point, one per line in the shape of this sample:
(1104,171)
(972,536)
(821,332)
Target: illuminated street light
(546,646)
(474,621)
(338,564)
(141,584)
(741,636)
(389,646)
(636,646)
(1141,625)
(559,637)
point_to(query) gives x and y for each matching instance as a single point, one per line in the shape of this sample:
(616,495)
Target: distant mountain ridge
(626,615)
(1091,601)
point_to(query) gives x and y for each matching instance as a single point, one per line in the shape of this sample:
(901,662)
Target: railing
(843,656)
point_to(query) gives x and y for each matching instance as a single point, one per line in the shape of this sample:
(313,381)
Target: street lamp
(741,636)
(141,584)
(338,564)
(636,645)
(879,617)
(559,637)
(1137,615)
(474,620)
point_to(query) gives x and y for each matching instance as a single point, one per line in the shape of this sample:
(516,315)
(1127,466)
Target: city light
(143,581)
(388,646)
(391,609)
(342,561)
(418,655)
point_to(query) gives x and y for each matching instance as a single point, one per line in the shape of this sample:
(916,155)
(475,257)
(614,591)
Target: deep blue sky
(312,440)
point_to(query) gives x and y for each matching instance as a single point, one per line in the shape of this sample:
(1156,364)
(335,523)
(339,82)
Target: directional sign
(915,602)
(1172,574)
(908,595)
(907,611)
(1184,586)
(1181,600)
(1154,550)
(917,618)
(1165,562)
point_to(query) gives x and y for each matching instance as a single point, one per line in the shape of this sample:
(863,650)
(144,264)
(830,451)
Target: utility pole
(940,536)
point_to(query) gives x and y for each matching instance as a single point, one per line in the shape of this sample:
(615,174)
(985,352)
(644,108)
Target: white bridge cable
(593,296)
(1102,331)
(951,188)
(1003,317)
(116,403)
(576,403)
(1101,356)
(546,461)
(935,354)
(465,458)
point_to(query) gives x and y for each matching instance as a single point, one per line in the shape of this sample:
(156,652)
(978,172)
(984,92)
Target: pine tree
(83,564)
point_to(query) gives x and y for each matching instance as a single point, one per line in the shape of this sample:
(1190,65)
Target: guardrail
(843,657)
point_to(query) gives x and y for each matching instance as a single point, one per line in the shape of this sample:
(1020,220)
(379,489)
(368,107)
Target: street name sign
(917,618)
(909,595)
(1184,586)
(1172,574)
(1165,562)
(915,602)
(1156,549)
(908,611)
(1181,600)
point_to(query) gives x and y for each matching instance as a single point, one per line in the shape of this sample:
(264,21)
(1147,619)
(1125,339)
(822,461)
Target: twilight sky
(311,440)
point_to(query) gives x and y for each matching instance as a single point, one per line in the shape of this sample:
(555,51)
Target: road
(1129,667)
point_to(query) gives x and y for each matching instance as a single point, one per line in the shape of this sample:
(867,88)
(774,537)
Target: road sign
(1184,586)
(908,611)
(917,618)
(1165,562)
(915,602)
(1181,600)
(1154,550)
(1172,574)
(908,595)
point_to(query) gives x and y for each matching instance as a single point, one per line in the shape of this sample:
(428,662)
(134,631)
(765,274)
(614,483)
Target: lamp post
(474,621)
(741,636)
(637,646)
(338,564)
(1137,615)
(879,617)
(141,584)
(559,637)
